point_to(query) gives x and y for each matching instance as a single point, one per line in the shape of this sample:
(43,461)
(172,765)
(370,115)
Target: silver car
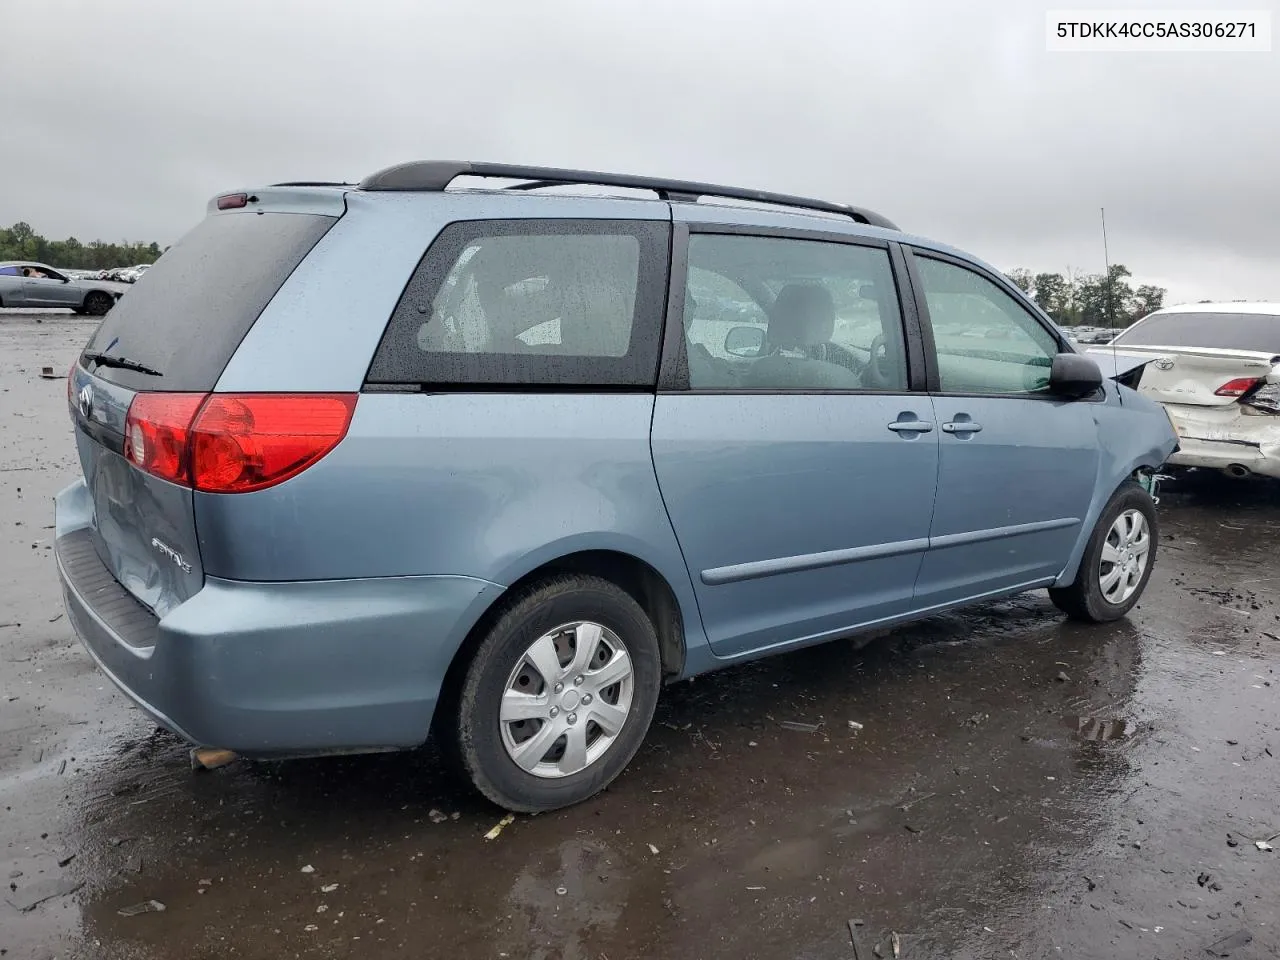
(35,285)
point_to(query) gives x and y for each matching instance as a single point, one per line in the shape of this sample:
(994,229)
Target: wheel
(1117,562)
(558,696)
(97,304)
(879,372)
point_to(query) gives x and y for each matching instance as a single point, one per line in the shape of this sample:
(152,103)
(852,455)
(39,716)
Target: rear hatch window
(185,318)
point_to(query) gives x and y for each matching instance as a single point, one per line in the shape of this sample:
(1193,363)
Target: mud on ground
(996,783)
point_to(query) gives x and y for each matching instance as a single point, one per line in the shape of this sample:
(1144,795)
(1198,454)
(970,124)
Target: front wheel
(559,695)
(1117,562)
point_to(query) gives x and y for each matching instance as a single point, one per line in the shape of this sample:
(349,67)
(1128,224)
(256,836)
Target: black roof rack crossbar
(436,175)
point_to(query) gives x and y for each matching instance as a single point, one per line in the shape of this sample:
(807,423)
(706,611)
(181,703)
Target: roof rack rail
(436,175)
(312,183)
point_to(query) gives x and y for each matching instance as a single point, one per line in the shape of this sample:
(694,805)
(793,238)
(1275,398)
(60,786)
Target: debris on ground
(853,938)
(1062,677)
(1263,845)
(308,869)
(435,816)
(210,758)
(799,727)
(63,861)
(854,725)
(506,821)
(897,944)
(48,373)
(653,850)
(561,891)
(146,906)
(1223,948)
(28,898)
(329,888)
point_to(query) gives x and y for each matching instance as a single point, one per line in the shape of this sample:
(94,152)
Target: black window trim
(673,375)
(629,374)
(933,377)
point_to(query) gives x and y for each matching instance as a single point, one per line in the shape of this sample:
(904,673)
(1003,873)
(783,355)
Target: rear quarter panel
(489,486)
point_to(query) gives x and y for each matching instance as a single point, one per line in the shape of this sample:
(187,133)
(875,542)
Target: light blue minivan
(451,449)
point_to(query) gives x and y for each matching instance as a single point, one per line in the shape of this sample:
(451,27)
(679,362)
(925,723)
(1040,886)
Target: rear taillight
(234,443)
(1238,387)
(71,382)
(248,442)
(156,433)
(233,201)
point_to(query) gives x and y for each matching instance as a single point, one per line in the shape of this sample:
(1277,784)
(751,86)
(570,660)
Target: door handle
(961,427)
(911,426)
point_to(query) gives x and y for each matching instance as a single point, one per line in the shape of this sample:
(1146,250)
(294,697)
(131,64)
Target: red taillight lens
(71,382)
(233,443)
(243,442)
(1238,387)
(233,201)
(156,432)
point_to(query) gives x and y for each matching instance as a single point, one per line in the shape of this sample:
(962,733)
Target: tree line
(1091,299)
(20,242)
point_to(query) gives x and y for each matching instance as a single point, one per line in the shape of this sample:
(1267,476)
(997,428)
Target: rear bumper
(274,669)
(1219,438)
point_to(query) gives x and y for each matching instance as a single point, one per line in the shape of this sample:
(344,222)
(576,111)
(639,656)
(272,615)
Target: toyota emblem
(85,398)
(1165,363)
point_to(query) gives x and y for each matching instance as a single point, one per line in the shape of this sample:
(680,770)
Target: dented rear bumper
(1227,438)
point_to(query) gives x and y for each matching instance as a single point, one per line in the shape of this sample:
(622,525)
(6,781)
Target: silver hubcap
(1124,556)
(567,700)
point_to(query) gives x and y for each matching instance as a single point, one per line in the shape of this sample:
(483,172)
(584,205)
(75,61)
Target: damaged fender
(1128,445)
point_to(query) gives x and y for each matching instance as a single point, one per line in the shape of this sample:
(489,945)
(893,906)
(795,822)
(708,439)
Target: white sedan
(1216,369)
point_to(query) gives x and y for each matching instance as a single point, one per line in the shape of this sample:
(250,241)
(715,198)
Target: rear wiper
(123,363)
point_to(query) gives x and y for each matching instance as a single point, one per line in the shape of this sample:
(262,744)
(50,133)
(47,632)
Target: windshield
(1224,331)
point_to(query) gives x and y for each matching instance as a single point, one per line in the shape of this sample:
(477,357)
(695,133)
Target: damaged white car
(1216,369)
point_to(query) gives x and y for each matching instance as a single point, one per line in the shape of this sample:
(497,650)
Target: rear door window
(774,313)
(531,303)
(202,297)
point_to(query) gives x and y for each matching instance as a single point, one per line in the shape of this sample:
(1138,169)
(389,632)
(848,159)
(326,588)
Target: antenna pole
(1106,260)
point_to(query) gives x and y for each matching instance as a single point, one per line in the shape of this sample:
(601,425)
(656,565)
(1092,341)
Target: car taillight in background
(233,443)
(1238,387)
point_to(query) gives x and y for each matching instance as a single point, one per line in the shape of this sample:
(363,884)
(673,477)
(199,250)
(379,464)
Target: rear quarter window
(203,296)
(540,303)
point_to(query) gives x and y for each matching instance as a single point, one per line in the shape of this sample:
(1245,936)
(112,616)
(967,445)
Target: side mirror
(744,342)
(1074,375)
(66,279)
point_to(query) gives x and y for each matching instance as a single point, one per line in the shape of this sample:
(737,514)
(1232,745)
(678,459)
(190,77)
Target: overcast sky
(949,117)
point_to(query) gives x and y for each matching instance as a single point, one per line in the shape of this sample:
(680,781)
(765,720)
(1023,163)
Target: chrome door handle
(910,426)
(961,427)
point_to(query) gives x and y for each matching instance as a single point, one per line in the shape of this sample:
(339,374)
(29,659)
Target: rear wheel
(1117,562)
(97,304)
(559,695)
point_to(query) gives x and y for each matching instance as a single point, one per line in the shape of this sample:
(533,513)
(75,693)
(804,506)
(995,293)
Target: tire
(487,740)
(1087,599)
(98,304)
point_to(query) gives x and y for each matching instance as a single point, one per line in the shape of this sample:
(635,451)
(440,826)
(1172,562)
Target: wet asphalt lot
(1018,787)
